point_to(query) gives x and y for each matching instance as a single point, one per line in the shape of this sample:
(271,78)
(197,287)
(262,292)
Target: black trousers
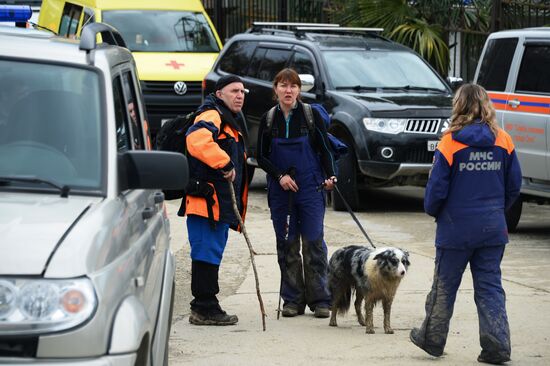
(204,287)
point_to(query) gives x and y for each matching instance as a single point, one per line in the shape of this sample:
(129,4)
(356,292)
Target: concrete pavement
(305,340)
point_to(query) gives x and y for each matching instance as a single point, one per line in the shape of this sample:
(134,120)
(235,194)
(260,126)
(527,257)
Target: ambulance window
(122,135)
(273,62)
(237,57)
(493,72)
(69,20)
(534,73)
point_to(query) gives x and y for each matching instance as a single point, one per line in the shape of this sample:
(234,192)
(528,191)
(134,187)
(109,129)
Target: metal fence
(235,16)
(512,14)
(466,46)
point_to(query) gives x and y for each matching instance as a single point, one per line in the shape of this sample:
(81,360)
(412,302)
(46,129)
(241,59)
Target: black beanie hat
(226,80)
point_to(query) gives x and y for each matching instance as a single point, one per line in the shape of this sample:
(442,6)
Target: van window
(236,58)
(69,20)
(534,72)
(122,130)
(163,31)
(50,130)
(133,113)
(493,72)
(274,61)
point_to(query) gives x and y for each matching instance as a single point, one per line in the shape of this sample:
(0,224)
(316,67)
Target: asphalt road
(392,217)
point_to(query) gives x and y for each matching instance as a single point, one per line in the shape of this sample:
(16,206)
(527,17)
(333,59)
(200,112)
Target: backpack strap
(269,119)
(308,112)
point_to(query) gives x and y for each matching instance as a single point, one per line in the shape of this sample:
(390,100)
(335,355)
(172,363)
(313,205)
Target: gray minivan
(86,272)
(514,68)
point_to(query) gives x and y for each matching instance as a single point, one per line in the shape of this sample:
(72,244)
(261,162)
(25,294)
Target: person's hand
(287,183)
(230,175)
(329,183)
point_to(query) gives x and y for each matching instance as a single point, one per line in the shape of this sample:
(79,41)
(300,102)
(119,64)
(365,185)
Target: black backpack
(171,137)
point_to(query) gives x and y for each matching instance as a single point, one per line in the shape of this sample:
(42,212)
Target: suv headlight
(31,306)
(385,125)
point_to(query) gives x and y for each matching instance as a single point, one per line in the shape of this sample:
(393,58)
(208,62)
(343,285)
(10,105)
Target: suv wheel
(347,182)
(513,214)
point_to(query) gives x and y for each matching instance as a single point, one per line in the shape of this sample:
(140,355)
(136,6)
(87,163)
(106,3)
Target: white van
(515,69)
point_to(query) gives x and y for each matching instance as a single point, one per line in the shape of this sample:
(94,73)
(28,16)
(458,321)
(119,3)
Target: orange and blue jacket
(474,179)
(215,145)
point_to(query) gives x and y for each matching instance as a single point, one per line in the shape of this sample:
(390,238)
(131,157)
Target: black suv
(385,101)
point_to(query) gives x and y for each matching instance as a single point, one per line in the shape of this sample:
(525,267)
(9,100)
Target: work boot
(321,312)
(291,310)
(215,318)
(417,339)
(492,360)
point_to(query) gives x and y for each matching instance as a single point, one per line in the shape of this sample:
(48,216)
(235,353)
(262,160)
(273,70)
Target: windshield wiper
(64,190)
(410,87)
(357,88)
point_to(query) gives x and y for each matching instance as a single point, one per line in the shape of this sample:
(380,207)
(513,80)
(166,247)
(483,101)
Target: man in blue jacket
(475,178)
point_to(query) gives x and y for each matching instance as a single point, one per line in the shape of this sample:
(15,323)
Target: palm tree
(423,25)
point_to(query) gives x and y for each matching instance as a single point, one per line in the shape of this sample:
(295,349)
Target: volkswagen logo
(180,87)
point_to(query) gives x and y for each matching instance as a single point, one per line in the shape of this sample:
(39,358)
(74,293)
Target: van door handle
(514,103)
(147,213)
(159,197)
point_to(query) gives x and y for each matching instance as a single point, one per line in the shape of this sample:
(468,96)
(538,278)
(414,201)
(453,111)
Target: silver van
(515,69)
(86,272)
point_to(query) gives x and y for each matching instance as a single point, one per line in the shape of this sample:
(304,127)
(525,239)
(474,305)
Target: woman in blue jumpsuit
(475,178)
(297,160)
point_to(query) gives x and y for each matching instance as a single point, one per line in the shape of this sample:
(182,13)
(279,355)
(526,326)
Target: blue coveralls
(307,285)
(475,178)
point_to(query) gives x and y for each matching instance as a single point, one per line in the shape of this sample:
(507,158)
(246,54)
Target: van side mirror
(454,82)
(142,169)
(308,82)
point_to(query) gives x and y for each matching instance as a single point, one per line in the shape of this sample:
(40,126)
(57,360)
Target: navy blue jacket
(475,178)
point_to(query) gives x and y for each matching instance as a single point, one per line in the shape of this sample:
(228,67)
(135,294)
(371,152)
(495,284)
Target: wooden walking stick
(250,249)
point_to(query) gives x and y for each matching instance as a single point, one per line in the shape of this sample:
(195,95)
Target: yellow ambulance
(173,42)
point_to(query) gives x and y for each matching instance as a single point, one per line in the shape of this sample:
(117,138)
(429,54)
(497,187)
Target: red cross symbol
(174,64)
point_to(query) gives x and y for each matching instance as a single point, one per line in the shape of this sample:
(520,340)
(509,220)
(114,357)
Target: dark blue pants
(302,282)
(489,296)
(303,275)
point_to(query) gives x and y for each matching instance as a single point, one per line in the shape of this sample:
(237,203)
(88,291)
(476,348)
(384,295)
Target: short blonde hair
(470,103)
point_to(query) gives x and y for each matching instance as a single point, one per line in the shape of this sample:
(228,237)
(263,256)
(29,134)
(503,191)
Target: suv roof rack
(339,29)
(108,33)
(300,30)
(288,25)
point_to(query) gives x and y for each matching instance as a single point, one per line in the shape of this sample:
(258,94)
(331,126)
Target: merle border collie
(374,275)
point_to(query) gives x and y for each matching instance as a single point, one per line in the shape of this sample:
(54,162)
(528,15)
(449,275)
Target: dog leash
(348,207)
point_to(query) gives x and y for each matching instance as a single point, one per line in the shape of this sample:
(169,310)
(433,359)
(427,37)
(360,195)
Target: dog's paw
(388,331)
(362,322)
(370,331)
(333,323)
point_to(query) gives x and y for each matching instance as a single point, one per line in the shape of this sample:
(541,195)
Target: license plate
(432,144)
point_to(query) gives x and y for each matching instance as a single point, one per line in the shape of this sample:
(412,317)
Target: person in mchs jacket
(475,178)
(217,158)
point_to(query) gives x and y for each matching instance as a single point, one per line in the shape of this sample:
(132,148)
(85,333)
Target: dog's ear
(406,257)
(382,255)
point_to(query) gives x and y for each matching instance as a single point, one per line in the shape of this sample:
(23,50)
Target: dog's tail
(344,300)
